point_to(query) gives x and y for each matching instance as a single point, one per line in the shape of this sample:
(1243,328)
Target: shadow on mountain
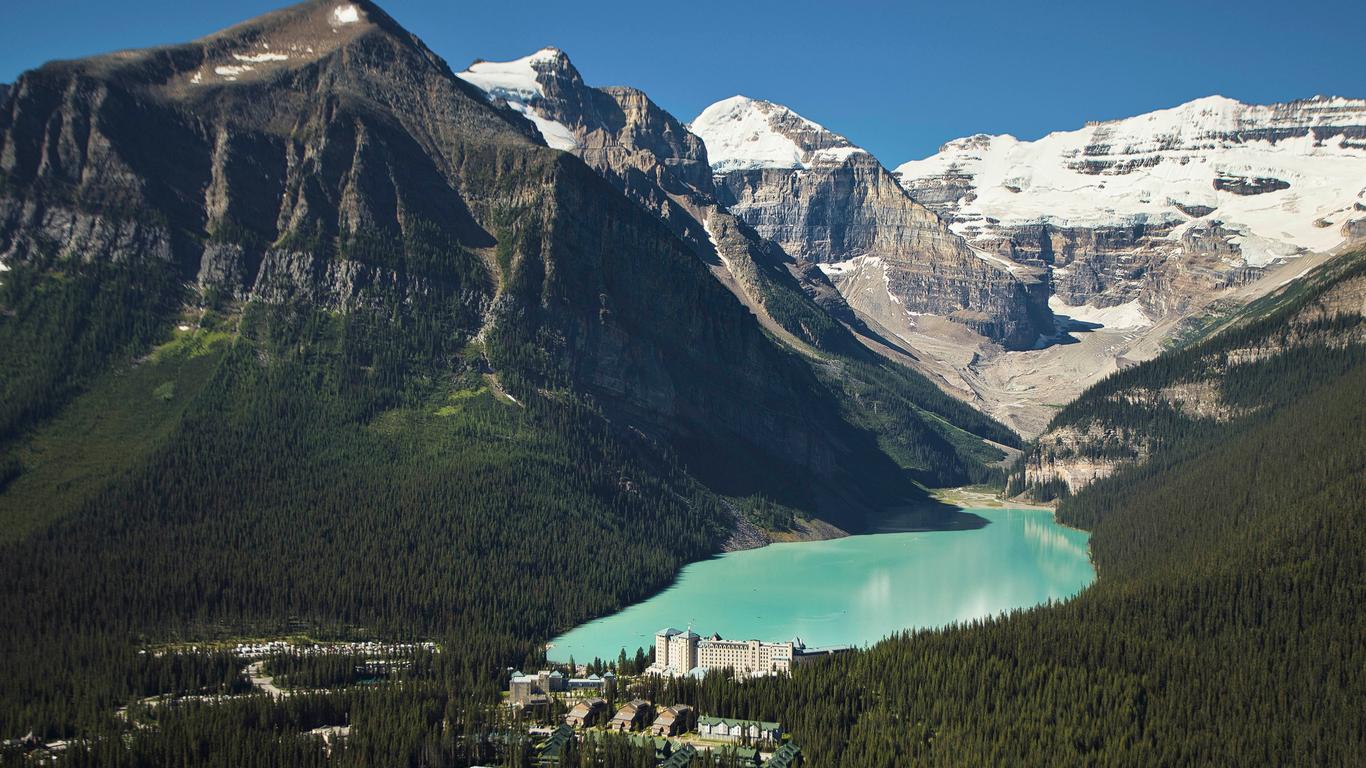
(1064,327)
(929,515)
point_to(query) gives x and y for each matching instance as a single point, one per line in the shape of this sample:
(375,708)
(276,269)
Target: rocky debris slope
(824,200)
(1163,209)
(1319,320)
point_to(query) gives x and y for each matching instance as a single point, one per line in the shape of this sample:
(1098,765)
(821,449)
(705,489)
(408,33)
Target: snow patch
(835,154)
(751,134)
(259,58)
(739,135)
(231,72)
(852,267)
(1127,315)
(345,14)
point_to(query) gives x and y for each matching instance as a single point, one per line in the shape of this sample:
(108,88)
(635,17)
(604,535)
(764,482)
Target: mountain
(1269,355)
(824,200)
(646,153)
(1154,211)
(1142,230)
(323,157)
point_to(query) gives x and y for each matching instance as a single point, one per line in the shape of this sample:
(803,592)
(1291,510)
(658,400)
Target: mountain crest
(745,134)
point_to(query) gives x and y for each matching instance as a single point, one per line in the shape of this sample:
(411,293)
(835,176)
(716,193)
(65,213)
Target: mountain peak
(521,84)
(742,133)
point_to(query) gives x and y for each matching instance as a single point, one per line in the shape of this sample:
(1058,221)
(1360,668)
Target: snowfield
(1140,169)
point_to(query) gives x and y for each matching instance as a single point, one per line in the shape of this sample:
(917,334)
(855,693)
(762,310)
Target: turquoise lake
(855,590)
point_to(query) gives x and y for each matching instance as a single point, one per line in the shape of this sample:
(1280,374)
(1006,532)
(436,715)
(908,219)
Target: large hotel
(679,652)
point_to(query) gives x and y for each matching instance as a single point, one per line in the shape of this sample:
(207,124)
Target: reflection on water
(857,590)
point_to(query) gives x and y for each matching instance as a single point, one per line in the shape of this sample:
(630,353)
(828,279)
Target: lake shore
(855,590)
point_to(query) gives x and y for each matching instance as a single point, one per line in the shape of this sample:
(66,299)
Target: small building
(549,751)
(789,755)
(632,716)
(730,729)
(586,712)
(672,721)
(592,682)
(681,758)
(522,687)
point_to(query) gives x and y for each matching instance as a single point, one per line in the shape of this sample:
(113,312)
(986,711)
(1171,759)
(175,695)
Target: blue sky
(897,78)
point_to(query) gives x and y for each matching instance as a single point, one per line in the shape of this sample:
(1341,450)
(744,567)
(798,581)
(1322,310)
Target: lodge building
(679,652)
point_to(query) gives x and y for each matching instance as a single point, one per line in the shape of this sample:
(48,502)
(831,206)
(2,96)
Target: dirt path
(262,681)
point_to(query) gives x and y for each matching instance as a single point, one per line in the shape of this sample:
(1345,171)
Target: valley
(340,388)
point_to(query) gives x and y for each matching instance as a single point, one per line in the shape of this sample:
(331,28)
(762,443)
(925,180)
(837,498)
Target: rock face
(824,200)
(322,156)
(1165,208)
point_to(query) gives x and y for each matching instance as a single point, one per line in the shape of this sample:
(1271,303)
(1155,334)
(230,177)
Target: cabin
(729,729)
(586,712)
(681,758)
(788,755)
(549,751)
(672,721)
(632,716)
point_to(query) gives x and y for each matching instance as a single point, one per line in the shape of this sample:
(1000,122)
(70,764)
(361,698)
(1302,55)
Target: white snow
(1176,154)
(716,246)
(995,260)
(853,267)
(516,83)
(745,134)
(738,135)
(258,58)
(346,14)
(835,154)
(1127,315)
(232,71)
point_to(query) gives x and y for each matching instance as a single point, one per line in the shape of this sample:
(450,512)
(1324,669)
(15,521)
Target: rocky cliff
(824,200)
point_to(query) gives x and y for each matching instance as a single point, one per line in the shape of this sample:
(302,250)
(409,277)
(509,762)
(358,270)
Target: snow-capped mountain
(749,134)
(518,84)
(1245,184)
(823,199)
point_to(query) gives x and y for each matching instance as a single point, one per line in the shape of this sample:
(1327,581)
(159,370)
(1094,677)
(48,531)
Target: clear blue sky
(896,78)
